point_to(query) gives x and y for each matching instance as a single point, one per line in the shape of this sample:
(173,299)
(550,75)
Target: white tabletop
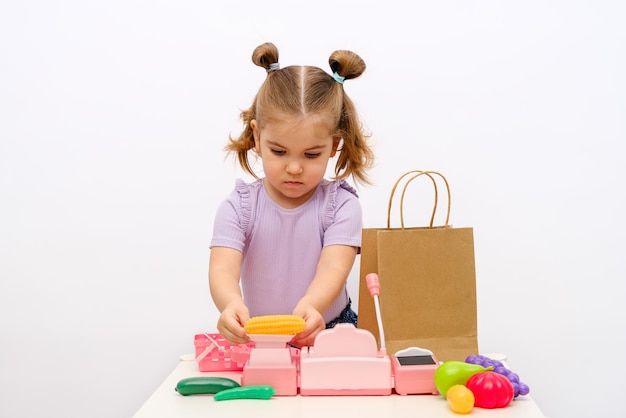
(165,402)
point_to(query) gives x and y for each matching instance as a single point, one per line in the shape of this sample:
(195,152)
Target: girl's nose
(294,167)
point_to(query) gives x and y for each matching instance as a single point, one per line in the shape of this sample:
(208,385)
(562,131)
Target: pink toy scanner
(414,371)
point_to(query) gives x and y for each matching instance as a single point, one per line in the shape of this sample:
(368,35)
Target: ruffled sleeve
(243,190)
(331,202)
(234,217)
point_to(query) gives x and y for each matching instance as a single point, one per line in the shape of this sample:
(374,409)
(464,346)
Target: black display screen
(415,360)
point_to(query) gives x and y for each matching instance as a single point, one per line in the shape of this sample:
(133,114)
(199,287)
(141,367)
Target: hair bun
(347,64)
(266,55)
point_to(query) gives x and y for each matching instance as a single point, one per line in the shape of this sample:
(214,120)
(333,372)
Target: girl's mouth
(293,183)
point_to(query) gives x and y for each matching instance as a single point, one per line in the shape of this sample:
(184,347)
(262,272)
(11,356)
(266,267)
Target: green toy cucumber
(203,385)
(245,392)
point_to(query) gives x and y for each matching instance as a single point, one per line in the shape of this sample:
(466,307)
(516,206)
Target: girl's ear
(336,141)
(255,134)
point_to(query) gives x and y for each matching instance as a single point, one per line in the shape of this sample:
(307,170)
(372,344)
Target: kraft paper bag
(427,282)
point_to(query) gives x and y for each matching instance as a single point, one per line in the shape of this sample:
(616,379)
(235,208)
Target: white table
(165,402)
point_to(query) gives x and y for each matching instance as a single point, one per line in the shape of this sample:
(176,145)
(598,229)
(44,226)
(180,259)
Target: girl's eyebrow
(276,144)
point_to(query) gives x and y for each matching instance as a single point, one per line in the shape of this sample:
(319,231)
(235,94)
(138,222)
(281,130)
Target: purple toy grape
(513,377)
(519,388)
(523,389)
(472,359)
(501,370)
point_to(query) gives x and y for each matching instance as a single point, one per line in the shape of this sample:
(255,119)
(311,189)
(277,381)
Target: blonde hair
(307,90)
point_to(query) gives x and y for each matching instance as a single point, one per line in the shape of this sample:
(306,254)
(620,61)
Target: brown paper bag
(427,282)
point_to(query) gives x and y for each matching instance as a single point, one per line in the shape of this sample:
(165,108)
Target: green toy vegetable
(246,392)
(202,385)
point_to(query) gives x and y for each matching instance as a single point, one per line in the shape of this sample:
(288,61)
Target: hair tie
(339,79)
(273,67)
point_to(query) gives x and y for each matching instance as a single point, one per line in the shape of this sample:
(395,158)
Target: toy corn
(275,325)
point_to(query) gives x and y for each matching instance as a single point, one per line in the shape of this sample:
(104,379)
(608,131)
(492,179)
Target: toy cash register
(343,360)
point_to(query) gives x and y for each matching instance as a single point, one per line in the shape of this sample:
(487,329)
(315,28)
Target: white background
(113,116)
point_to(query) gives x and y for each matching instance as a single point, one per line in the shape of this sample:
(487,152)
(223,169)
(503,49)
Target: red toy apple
(490,389)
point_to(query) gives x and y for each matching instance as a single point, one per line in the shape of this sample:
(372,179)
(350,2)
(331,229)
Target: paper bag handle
(419,173)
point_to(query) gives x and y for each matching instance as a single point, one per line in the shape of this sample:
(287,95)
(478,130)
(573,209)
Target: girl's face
(295,155)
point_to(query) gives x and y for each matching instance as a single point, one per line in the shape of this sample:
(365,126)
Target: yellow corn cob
(275,325)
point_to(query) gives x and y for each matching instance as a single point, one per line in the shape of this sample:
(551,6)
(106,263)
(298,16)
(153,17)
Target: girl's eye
(312,154)
(277,151)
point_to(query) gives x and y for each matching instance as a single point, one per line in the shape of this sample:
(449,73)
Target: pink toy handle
(373,284)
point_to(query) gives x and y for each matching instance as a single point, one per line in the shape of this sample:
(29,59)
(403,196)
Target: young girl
(292,236)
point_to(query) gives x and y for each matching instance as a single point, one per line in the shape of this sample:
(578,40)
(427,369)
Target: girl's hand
(314,324)
(231,321)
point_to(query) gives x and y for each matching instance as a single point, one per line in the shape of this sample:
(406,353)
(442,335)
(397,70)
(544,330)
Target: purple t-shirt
(281,247)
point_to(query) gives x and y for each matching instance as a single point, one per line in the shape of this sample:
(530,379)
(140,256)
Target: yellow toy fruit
(460,399)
